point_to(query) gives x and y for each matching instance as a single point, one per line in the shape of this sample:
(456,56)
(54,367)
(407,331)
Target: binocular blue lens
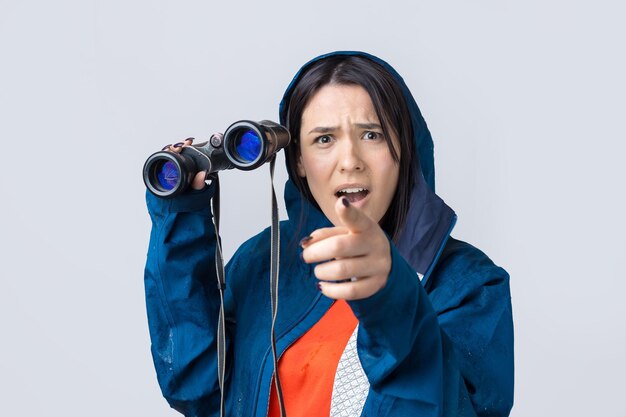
(168,175)
(248,146)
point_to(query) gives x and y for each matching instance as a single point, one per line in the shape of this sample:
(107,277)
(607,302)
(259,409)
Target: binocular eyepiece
(245,145)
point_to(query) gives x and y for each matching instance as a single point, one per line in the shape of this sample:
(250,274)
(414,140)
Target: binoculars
(245,145)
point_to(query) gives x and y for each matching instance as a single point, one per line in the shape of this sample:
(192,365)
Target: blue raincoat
(442,346)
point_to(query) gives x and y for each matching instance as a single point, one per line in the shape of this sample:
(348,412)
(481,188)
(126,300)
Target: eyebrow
(326,129)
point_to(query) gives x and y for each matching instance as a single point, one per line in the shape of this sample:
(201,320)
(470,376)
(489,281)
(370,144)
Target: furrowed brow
(368,126)
(323,129)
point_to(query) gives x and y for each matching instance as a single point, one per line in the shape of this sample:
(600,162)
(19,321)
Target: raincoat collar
(429,221)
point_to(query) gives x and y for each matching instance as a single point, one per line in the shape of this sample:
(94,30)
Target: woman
(383,314)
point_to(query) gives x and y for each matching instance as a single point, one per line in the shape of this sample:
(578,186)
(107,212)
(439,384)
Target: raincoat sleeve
(182,301)
(448,352)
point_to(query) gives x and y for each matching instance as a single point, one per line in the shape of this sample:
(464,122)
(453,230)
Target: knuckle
(353,239)
(336,245)
(352,292)
(342,269)
(383,268)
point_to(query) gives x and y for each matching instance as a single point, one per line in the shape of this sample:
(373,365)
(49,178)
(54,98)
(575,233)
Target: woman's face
(343,152)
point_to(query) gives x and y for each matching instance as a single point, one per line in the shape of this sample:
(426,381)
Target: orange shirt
(307,368)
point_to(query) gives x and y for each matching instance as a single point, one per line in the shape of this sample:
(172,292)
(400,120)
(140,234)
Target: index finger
(354,219)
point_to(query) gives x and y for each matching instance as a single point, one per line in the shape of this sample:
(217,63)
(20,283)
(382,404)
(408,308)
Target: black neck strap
(221,284)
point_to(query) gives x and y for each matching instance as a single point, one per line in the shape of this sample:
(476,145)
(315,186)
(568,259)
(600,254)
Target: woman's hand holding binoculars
(245,145)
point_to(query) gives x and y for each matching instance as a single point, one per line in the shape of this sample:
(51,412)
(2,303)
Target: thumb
(353,218)
(198,182)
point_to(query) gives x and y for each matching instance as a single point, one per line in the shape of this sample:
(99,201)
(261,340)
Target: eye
(370,135)
(323,140)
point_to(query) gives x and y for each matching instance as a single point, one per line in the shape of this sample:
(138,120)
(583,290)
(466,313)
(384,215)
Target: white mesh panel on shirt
(351,385)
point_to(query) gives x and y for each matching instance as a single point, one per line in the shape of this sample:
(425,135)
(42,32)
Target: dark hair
(392,112)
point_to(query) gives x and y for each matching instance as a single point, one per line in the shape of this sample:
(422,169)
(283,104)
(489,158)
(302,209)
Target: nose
(350,157)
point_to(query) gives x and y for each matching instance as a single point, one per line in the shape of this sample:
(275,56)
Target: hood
(429,221)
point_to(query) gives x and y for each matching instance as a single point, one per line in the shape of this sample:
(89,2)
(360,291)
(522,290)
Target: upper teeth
(352,190)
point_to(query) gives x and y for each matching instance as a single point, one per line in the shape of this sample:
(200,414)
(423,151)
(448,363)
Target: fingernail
(302,256)
(166,147)
(344,200)
(178,145)
(305,240)
(189,139)
(318,286)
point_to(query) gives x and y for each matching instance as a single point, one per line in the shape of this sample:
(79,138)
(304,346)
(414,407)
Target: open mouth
(353,194)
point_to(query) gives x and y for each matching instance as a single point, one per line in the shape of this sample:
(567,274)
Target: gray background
(525,101)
